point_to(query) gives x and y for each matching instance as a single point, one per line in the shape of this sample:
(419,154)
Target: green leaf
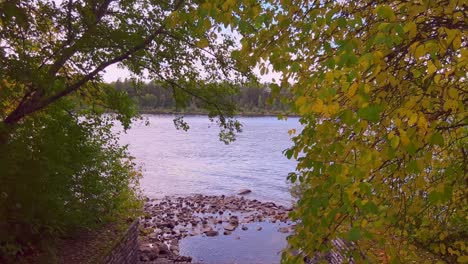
(437,139)
(370,113)
(385,11)
(354,234)
(395,141)
(433,197)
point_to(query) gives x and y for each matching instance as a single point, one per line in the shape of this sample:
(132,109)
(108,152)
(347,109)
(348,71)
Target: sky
(113,73)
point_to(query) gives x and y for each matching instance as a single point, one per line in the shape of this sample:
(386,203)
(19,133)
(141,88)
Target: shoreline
(201,113)
(168,220)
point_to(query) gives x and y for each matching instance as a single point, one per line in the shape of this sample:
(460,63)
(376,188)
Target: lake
(179,163)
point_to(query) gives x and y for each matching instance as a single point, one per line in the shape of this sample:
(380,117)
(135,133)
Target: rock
(233,220)
(284,229)
(247,219)
(207,229)
(244,191)
(211,233)
(149,251)
(237,237)
(163,248)
(183,259)
(226,233)
(153,237)
(244,228)
(259,228)
(229,227)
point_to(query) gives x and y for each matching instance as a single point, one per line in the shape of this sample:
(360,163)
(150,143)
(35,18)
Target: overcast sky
(113,73)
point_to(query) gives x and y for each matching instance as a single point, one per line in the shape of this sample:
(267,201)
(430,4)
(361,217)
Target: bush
(60,172)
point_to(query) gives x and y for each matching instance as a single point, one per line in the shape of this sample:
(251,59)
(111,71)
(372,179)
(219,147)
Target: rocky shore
(167,221)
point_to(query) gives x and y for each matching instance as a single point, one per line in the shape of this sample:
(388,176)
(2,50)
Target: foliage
(61,166)
(249,98)
(382,90)
(60,172)
(53,49)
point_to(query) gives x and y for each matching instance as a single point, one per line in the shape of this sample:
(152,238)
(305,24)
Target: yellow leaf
(352,90)
(329,76)
(364,223)
(202,43)
(457,42)
(367,88)
(463,259)
(442,236)
(413,118)
(422,122)
(442,248)
(403,137)
(431,68)
(317,106)
(452,92)
(333,108)
(411,29)
(300,101)
(420,51)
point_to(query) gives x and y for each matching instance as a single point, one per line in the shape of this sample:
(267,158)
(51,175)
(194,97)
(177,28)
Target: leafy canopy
(52,49)
(61,165)
(382,90)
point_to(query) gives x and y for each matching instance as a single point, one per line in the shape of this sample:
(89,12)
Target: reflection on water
(250,246)
(182,163)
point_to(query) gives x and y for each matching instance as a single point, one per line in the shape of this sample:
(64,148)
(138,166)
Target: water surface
(180,163)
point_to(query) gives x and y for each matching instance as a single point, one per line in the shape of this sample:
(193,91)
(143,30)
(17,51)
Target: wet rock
(259,228)
(170,219)
(211,233)
(183,259)
(207,229)
(229,227)
(244,191)
(247,219)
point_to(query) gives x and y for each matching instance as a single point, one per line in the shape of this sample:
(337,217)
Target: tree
(61,165)
(382,90)
(53,49)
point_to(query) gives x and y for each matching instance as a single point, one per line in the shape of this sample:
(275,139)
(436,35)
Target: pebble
(172,218)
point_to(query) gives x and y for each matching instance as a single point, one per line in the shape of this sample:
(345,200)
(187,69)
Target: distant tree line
(155,97)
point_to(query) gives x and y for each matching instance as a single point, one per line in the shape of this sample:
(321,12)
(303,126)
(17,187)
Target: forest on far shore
(151,97)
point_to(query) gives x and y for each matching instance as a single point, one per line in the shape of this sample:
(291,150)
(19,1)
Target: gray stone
(244,191)
(229,227)
(150,251)
(163,248)
(211,233)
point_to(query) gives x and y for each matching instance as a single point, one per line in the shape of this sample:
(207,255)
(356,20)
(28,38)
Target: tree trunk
(5,131)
